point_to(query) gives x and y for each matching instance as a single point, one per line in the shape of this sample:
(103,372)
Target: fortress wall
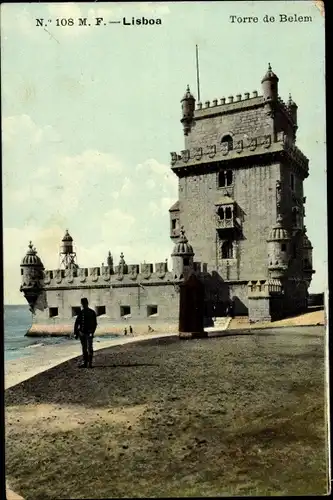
(148,303)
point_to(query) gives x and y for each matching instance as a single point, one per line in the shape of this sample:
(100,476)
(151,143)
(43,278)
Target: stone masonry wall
(164,296)
(254,192)
(237,122)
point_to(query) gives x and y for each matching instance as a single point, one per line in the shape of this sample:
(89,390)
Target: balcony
(224,224)
(225,217)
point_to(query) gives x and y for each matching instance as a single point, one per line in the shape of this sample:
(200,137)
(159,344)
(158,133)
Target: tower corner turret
(188,107)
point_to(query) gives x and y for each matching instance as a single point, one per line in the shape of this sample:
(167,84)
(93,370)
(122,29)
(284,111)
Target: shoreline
(21,369)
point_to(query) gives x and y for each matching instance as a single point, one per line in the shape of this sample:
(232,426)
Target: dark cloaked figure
(130,330)
(84,328)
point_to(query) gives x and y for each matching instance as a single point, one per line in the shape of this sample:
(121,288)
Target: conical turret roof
(269,75)
(67,236)
(182,247)
(278,232)
(188,94)
(31,258)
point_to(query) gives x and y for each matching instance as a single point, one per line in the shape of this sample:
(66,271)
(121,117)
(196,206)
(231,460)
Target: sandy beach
(46,357)
(235,415)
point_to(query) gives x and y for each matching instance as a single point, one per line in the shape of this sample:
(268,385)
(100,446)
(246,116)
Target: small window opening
(283,247)
(100,310)
(125,310)
(75,311)
(227,250)
(186,261)
(225,178)
(220,212)
(86,271)
(228,213)
(152,310)
(227,139)
(51,275)
(174,223)
(53,312)
(21,272)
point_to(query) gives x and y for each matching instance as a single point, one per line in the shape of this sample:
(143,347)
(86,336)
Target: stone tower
(241,200)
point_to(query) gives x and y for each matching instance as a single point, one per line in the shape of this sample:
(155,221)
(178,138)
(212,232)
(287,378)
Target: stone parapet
(97,276)
(233,104)
(244,147)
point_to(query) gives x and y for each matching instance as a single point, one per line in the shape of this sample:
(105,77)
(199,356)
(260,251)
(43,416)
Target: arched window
(225,178)
(228,213)
(228,139)
(221,212)
(227,250)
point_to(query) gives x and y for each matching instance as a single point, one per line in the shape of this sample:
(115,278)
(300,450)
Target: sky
(90,115)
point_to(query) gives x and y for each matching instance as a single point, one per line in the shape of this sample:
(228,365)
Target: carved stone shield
(81,272)
(211,151)
(106,273)
(198,153)
(133,271)
(47,277)
(224,148)
(69,275)
(267,141)
(146,271)
(119,275)
(239,146)
(186,155)
(58,275)
(174,158)
(94,274)
(160,269)
(253,144)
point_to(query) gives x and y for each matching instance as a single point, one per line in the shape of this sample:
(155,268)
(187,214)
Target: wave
(39,344)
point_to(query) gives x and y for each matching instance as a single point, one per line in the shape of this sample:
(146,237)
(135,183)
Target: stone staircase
(239,322)
(220,324)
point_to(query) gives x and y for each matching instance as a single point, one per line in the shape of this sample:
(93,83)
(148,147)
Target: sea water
(17,321)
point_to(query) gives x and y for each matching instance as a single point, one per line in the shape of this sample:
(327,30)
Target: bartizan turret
(188,107)
(292,108)
(270,85)
(278,250)
(307,258)
(32,277)
(182,257)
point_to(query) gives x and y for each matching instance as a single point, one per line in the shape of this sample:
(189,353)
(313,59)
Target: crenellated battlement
(229,104)
(236,103)
(249,146)
(147,272)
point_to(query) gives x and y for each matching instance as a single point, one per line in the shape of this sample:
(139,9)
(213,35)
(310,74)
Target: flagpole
(198,81)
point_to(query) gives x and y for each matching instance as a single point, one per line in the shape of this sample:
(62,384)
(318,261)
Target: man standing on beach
(85,326)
